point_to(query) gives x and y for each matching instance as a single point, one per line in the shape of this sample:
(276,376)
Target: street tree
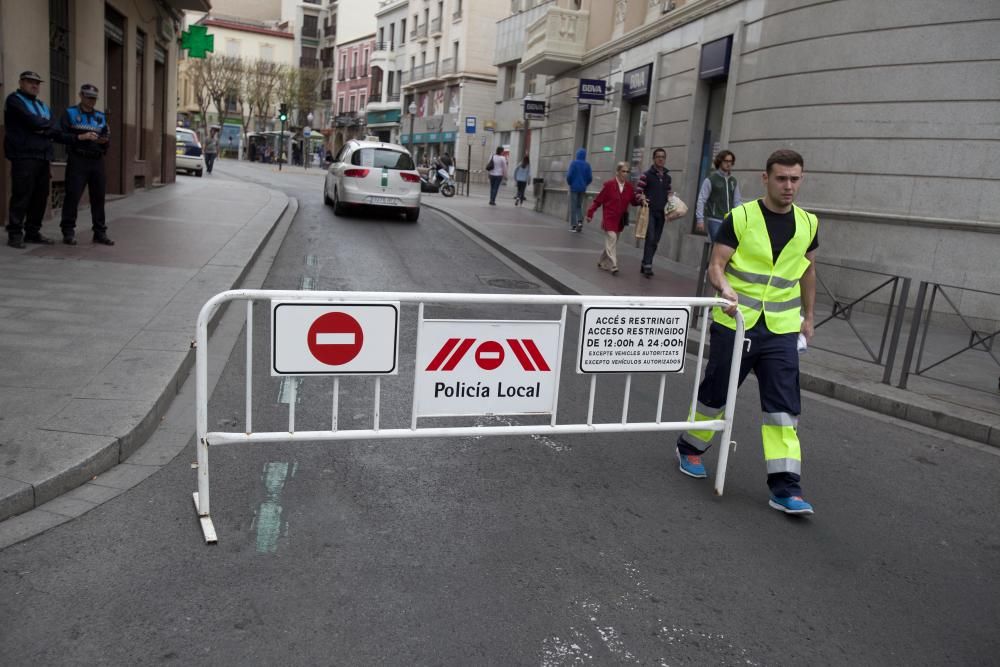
(258,87)
(222,76)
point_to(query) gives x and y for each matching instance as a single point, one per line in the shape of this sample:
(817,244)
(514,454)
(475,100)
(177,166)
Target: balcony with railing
(382,54)
(309,63)
(555,42)
(310,31)
(420,32)
(436,26)
(446,67)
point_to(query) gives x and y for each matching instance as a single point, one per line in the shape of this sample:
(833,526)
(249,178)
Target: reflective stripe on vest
(762,285)
(91,122)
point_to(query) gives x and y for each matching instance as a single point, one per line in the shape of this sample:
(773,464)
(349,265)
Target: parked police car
(373,174)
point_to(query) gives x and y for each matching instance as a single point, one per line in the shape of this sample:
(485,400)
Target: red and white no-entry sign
(489,355)
(334,338)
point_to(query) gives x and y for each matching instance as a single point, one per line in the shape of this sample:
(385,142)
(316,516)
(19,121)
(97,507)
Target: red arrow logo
(489,354)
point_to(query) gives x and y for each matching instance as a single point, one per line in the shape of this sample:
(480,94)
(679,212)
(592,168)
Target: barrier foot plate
(207,528)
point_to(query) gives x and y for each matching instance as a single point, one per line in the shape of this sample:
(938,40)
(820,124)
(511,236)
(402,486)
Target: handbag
(675,208)
(641,224)
(489,165)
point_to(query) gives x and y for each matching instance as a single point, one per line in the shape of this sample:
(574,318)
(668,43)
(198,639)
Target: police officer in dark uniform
(27,143)
(85,165)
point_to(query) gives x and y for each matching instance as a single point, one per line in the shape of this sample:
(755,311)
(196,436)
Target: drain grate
(509,283)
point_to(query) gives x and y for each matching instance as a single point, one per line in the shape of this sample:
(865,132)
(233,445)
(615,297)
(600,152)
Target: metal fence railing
(960,348)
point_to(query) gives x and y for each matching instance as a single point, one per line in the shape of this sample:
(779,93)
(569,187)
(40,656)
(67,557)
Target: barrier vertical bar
(914,328)
(562,336)
(659,400)
(336,403)
(201,496)
(896,329)
(734,380)
(378,401)
(697,370)
(590,406)
(292,390)
(249,417)
(628,391)
(416,370)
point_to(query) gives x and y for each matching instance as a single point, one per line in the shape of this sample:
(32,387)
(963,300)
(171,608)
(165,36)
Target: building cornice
(667,22)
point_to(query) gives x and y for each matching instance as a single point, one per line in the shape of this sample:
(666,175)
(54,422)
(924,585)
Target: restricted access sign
(632,340)
(334,338)
(477,367)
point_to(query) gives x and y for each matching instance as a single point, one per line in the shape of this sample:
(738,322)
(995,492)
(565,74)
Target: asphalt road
(504,551)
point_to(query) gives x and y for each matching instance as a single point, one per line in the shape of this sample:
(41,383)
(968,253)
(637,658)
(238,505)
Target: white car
(189,153)
(372,174)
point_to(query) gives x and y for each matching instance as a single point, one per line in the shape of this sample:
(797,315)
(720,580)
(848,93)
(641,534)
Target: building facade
(385,107)
(448,77)
(128,50)
(353,88)
(878,97)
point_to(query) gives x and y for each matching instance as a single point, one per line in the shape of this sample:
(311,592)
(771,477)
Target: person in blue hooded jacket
(579,176)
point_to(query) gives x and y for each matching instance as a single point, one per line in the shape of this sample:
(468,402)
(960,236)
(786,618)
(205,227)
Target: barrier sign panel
(334,338)
(632,340)
(477,367)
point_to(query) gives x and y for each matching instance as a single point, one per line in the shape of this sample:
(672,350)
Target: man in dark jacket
(27,143)
(654,186)
(579,176)
(85,166)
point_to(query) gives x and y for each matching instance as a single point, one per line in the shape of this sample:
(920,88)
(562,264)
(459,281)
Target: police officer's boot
(15,242)
(69,239)
(37,237)
(102,238)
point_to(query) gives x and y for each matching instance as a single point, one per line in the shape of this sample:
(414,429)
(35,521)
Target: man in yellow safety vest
(763,262)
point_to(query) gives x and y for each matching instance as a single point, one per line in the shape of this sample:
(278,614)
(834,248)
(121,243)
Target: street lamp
(413,112)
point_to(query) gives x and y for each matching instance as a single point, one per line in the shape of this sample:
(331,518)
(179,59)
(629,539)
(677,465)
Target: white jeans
(609,256)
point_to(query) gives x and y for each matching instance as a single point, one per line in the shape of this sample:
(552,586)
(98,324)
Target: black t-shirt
(780,227)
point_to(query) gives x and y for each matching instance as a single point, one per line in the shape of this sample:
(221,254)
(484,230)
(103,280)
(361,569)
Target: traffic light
(283,112)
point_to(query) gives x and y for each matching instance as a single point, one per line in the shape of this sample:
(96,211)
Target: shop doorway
(636,145)
(114,79)
(711,140)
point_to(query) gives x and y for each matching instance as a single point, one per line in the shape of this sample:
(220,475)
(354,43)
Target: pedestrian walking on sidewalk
(615,197)
(654,189)
(497,170)
(763,261)
(27,143)
(85,166)
(521,177)
(211,149)
(578,176)
(719,194)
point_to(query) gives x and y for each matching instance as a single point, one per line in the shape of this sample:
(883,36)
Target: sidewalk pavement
(567,262)
(96,340)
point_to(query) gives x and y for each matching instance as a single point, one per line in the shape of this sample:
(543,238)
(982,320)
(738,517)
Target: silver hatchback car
(372,174)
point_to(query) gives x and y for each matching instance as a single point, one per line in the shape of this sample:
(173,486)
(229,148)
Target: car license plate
(384,201)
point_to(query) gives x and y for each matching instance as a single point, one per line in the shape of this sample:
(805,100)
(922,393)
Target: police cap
(89,90)
(31,76)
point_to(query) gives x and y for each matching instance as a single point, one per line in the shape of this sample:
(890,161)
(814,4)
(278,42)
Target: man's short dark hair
(659,150)
(786,158)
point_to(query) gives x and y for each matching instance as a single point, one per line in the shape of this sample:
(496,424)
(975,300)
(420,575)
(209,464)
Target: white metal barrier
(206,439)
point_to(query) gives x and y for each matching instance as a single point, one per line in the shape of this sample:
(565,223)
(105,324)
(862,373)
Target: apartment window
(310,26)
(531,85)
(441,10)
(437,58)
(402,31)
(509,81)
(59,59)
(266,52)
(454,57)
(140,94)
(392,36)
(423,57)
(340,104)
(381,35)
(354,103)
(354,65)
(389,85)
(364,71)
(427,17)
(233,47)
(361,102)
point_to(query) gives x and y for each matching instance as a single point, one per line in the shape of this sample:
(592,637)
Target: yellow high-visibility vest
(761,284)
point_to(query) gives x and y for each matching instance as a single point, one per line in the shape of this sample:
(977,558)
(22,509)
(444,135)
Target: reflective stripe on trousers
(702,440)
(779,435)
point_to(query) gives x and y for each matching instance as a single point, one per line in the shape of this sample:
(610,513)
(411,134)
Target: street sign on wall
(632,340)
(477,367)
(470,124)
(334,338)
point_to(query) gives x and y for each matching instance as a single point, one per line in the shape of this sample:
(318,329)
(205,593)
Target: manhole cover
(509,283)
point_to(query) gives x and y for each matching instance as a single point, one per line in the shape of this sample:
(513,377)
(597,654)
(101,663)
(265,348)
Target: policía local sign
(476,367)
(334,338)
(632,340)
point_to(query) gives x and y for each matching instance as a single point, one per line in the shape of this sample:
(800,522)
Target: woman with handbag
(616,196)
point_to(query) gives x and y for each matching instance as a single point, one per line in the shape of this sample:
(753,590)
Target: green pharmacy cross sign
(197,41)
